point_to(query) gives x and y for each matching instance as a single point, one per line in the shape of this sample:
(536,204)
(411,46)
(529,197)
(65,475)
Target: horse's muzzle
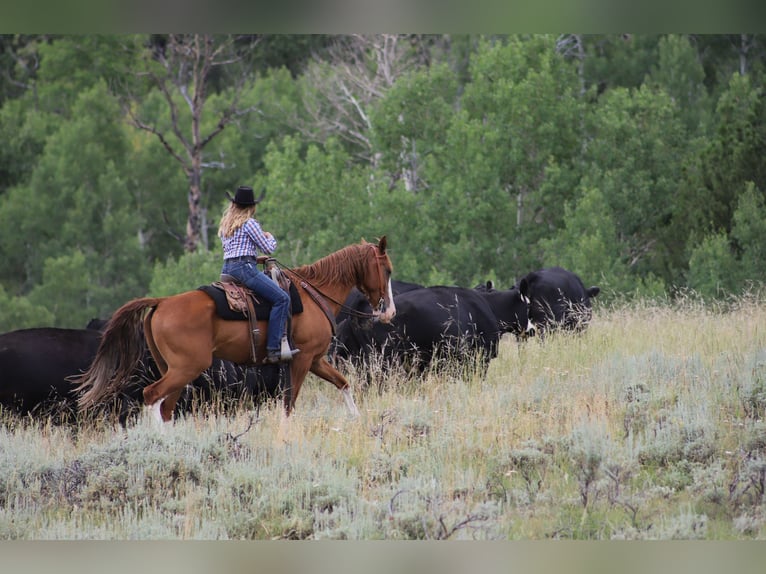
(384,313)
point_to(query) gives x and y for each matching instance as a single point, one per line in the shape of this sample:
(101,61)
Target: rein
(351,311)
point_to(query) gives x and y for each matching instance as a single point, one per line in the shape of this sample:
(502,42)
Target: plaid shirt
(247,240)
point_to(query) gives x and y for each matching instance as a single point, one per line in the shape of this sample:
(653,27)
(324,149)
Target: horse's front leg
(321,368)
(299,368)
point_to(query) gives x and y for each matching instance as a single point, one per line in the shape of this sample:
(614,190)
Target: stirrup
(274,357)
(286,353)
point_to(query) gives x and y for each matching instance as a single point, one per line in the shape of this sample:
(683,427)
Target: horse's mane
(342,266)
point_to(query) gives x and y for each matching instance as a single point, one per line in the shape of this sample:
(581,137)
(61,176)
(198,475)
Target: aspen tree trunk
(180,70)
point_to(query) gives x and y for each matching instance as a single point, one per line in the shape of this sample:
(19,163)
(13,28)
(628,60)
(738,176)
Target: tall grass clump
(650,425)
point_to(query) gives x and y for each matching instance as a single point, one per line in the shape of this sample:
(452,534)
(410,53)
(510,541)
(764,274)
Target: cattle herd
(439,323)
(433,326)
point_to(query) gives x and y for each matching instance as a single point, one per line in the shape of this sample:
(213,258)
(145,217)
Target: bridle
(381,279)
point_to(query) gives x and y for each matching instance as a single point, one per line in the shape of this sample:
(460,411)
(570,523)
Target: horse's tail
(119,354)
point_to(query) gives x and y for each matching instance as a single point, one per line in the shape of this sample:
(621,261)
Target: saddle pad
(262,308)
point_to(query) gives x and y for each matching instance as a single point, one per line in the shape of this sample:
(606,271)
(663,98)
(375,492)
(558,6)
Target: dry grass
(650,425)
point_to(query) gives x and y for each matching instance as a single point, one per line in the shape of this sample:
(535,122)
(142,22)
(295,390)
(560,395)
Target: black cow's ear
(524,287)
(593,291)
(382,243)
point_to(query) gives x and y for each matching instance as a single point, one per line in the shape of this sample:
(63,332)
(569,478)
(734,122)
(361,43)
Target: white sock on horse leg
(350,402)
(155,412)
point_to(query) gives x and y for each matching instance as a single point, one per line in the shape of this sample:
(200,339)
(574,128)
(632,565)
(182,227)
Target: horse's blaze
(389,311)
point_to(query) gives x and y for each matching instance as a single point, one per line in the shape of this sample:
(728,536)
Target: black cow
(432,324)
(510,308)
(97,324)
(488,285)
(557,299)
(35,364)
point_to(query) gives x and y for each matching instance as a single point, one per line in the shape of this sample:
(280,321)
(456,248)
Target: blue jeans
(264,287)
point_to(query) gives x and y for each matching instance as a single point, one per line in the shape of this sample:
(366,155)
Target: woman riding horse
(242,238)
(184,332)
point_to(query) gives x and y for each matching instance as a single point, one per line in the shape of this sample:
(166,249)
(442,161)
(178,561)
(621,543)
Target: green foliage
(17,312)
(713,268)
(619,60)
(733,154)
(73,64)
(680,74)
(524,116)
(749,233)
(22,140)
(68,291)
(410,123)
(724,264)
(638,142)
(390,213)
(588,242)
(153,186)
(186,273)
(318,201)
(78,209)
(633,160)
(288,51)
(240,148)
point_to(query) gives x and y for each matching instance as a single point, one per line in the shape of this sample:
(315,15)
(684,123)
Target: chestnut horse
(184,332)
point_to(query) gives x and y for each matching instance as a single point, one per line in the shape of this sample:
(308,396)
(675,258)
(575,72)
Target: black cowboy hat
(245,197)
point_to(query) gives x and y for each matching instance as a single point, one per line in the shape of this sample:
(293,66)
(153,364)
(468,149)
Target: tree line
(633,160)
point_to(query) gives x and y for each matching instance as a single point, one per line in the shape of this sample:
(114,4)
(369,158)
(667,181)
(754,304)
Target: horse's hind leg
(168,406)
(181,360)
(161,396)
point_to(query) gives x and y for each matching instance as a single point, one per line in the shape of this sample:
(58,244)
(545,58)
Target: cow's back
(432,314)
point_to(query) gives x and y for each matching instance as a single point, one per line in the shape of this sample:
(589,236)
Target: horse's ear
(382,244)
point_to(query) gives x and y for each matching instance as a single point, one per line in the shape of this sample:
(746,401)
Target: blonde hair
(233,218)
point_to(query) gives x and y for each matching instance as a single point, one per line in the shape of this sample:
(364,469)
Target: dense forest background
(634,160)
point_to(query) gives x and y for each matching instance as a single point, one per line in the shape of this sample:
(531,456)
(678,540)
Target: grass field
(648,426)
